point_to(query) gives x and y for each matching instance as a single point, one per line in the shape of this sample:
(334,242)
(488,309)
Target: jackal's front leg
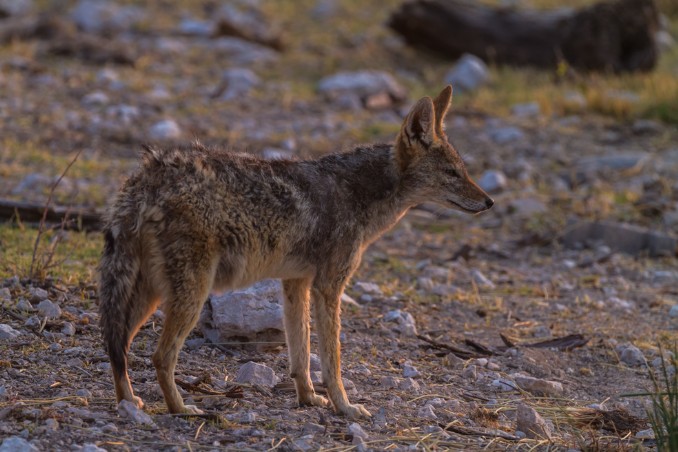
(327,302)
(298,334)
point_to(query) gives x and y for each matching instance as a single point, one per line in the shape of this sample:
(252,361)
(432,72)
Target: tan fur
(195,220)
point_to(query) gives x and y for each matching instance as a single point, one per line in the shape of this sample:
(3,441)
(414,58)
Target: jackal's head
(432,170)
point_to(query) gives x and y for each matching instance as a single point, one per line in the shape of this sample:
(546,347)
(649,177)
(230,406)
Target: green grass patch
(76,255)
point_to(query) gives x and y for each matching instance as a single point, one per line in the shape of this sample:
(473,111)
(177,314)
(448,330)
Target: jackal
(196,220)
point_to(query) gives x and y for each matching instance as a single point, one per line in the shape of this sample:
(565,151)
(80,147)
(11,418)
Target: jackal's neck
(369,180)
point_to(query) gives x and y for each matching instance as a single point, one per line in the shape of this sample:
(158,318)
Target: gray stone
(102,16)
(3,393)
(664,277)
(257,374)
(17,444)
(52,424)
(410,371)
(664,40)
(619,303)
(631,356)
(86,393)
(25,305)
(405,321)
(503,384)
(505,134)
(389,382)
(241,52)
(538,386)
(167,129)
(620,237)
(645,434)
(237,82)
(527,110)
(574,100)
(91,447)
(409,384)
(645,126)
(48,309)
(673,312)
(493,181)
(5,294)
(38,294)
(130,411)
(193,27)
(356,430)
(311,429)
(68,329)
(15,7)
(253,314)
(427,412)
(481,280)
(471,372)
(32,321)
(315,362)
(7,332)
(363,84)
(468,74)
(531,423)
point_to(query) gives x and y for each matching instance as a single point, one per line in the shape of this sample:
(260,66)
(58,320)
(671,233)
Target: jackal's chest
(242,270)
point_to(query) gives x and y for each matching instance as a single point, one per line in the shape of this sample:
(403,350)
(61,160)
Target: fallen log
(69,217)
(611,36)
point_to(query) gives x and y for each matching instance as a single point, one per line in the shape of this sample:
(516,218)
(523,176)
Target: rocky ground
(531,325)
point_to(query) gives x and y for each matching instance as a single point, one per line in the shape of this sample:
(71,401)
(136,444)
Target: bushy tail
(119,270)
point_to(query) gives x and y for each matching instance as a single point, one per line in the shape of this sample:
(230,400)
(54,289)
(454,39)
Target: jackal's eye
(451,172)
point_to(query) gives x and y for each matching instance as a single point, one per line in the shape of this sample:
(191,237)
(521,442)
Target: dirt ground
(486,292)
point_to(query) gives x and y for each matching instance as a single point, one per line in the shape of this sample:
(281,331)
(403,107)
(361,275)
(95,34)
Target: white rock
(129,410)
(645,434)
(254,313)
(368,288)
(17,444)
(468,74)
(493,181)
(362,84)
(405,321)
(505,135)
(276,154)
(315,362)
(347,300)
(538,386)
(238,83)
(526,110)
(481,280)
(258,374)
(531,423)
(166,129)
(96,98)
(673,312)
(49,310)
(7,332)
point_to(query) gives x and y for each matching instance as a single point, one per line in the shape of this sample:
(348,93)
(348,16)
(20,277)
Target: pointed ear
(420,122)
(416,132)
(442,104)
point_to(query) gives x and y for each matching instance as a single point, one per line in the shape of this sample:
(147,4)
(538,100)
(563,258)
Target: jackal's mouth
(462,208)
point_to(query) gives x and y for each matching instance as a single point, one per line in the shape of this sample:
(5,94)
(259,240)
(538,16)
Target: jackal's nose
(489,202)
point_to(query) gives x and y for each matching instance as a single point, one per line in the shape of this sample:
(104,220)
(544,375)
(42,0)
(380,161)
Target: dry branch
(615,35)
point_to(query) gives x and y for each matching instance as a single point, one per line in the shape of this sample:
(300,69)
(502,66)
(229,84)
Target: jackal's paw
(138,402)
(314,400)
(356,411)
(191,409)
